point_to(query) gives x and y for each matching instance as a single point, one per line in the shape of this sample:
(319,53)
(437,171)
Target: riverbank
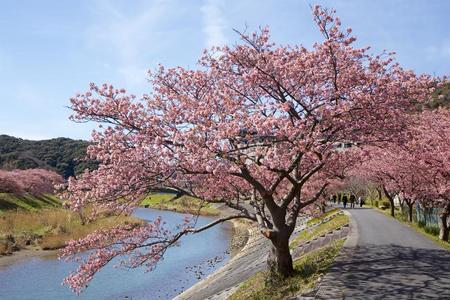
(48,228)
(190,205)
(24,254)
(39,232)
(183,204)
(239,236)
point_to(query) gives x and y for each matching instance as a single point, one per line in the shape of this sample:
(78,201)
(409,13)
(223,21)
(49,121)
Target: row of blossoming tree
(254,128)
(415,168)
(31,181)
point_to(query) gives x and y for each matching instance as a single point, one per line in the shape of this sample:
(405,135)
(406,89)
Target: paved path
(384,259)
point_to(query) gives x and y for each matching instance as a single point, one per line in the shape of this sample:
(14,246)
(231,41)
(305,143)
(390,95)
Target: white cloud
(214,22)
(128,35)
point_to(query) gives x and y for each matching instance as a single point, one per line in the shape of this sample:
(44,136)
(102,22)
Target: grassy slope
(337,221)
(27,202)
(323,216)
(183,204)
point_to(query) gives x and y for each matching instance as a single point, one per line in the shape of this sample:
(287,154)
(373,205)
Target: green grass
(336,222)
(308,270)
(323,216)
(185,204)
(27,202)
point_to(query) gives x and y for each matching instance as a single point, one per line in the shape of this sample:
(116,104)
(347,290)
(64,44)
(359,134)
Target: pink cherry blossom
(254,127)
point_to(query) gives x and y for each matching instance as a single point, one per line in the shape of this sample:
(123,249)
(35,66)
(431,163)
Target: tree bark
(410,212)
(391,201)
(392,207)
(280,259)
(444,228)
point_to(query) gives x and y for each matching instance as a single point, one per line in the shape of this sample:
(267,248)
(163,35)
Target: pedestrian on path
(345,200)
(352,201)
(334,199)
(361,201)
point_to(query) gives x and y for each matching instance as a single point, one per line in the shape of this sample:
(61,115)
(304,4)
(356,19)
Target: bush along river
(40,277)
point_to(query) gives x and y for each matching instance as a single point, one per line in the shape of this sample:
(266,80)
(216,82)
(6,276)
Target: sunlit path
(385,259)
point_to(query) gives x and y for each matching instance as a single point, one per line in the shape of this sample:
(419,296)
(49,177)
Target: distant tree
(416,167)
(33,181)
(10,184)
(257,123)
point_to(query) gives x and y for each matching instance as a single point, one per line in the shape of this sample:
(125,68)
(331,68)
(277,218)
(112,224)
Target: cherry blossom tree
(429,149)
(394,170)
(379,166)
(9,183)
(253,128)
(38,181)
(33,181)
(416,167)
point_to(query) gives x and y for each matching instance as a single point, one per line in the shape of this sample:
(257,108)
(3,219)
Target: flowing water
(40,278)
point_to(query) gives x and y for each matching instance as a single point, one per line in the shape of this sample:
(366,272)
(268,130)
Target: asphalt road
(385,259)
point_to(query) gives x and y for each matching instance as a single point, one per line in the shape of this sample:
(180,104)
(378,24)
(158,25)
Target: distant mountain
(63,155)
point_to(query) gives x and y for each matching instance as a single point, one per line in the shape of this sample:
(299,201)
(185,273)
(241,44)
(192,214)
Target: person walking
(361,201)
(352,201)
(345,200)
(334,199)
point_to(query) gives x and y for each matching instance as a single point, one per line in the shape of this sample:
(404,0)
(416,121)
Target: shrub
(434,230)
(385,205)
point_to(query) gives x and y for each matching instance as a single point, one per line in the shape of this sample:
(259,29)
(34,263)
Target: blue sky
(49,50)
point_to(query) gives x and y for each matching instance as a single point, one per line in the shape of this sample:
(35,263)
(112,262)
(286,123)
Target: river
(40,278)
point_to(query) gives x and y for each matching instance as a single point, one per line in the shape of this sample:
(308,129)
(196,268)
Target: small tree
(252,128)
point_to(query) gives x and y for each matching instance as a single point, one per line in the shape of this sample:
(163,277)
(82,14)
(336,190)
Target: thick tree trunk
(391,201)
(444,228)
(379,194)
(392,208)
(280,259)
(410,212)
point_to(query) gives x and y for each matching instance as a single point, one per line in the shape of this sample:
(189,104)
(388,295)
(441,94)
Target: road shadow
(388,272)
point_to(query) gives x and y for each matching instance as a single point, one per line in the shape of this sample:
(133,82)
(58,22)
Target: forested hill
(62,155)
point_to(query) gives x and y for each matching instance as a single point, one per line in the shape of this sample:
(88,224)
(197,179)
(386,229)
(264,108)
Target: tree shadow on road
(388,272)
